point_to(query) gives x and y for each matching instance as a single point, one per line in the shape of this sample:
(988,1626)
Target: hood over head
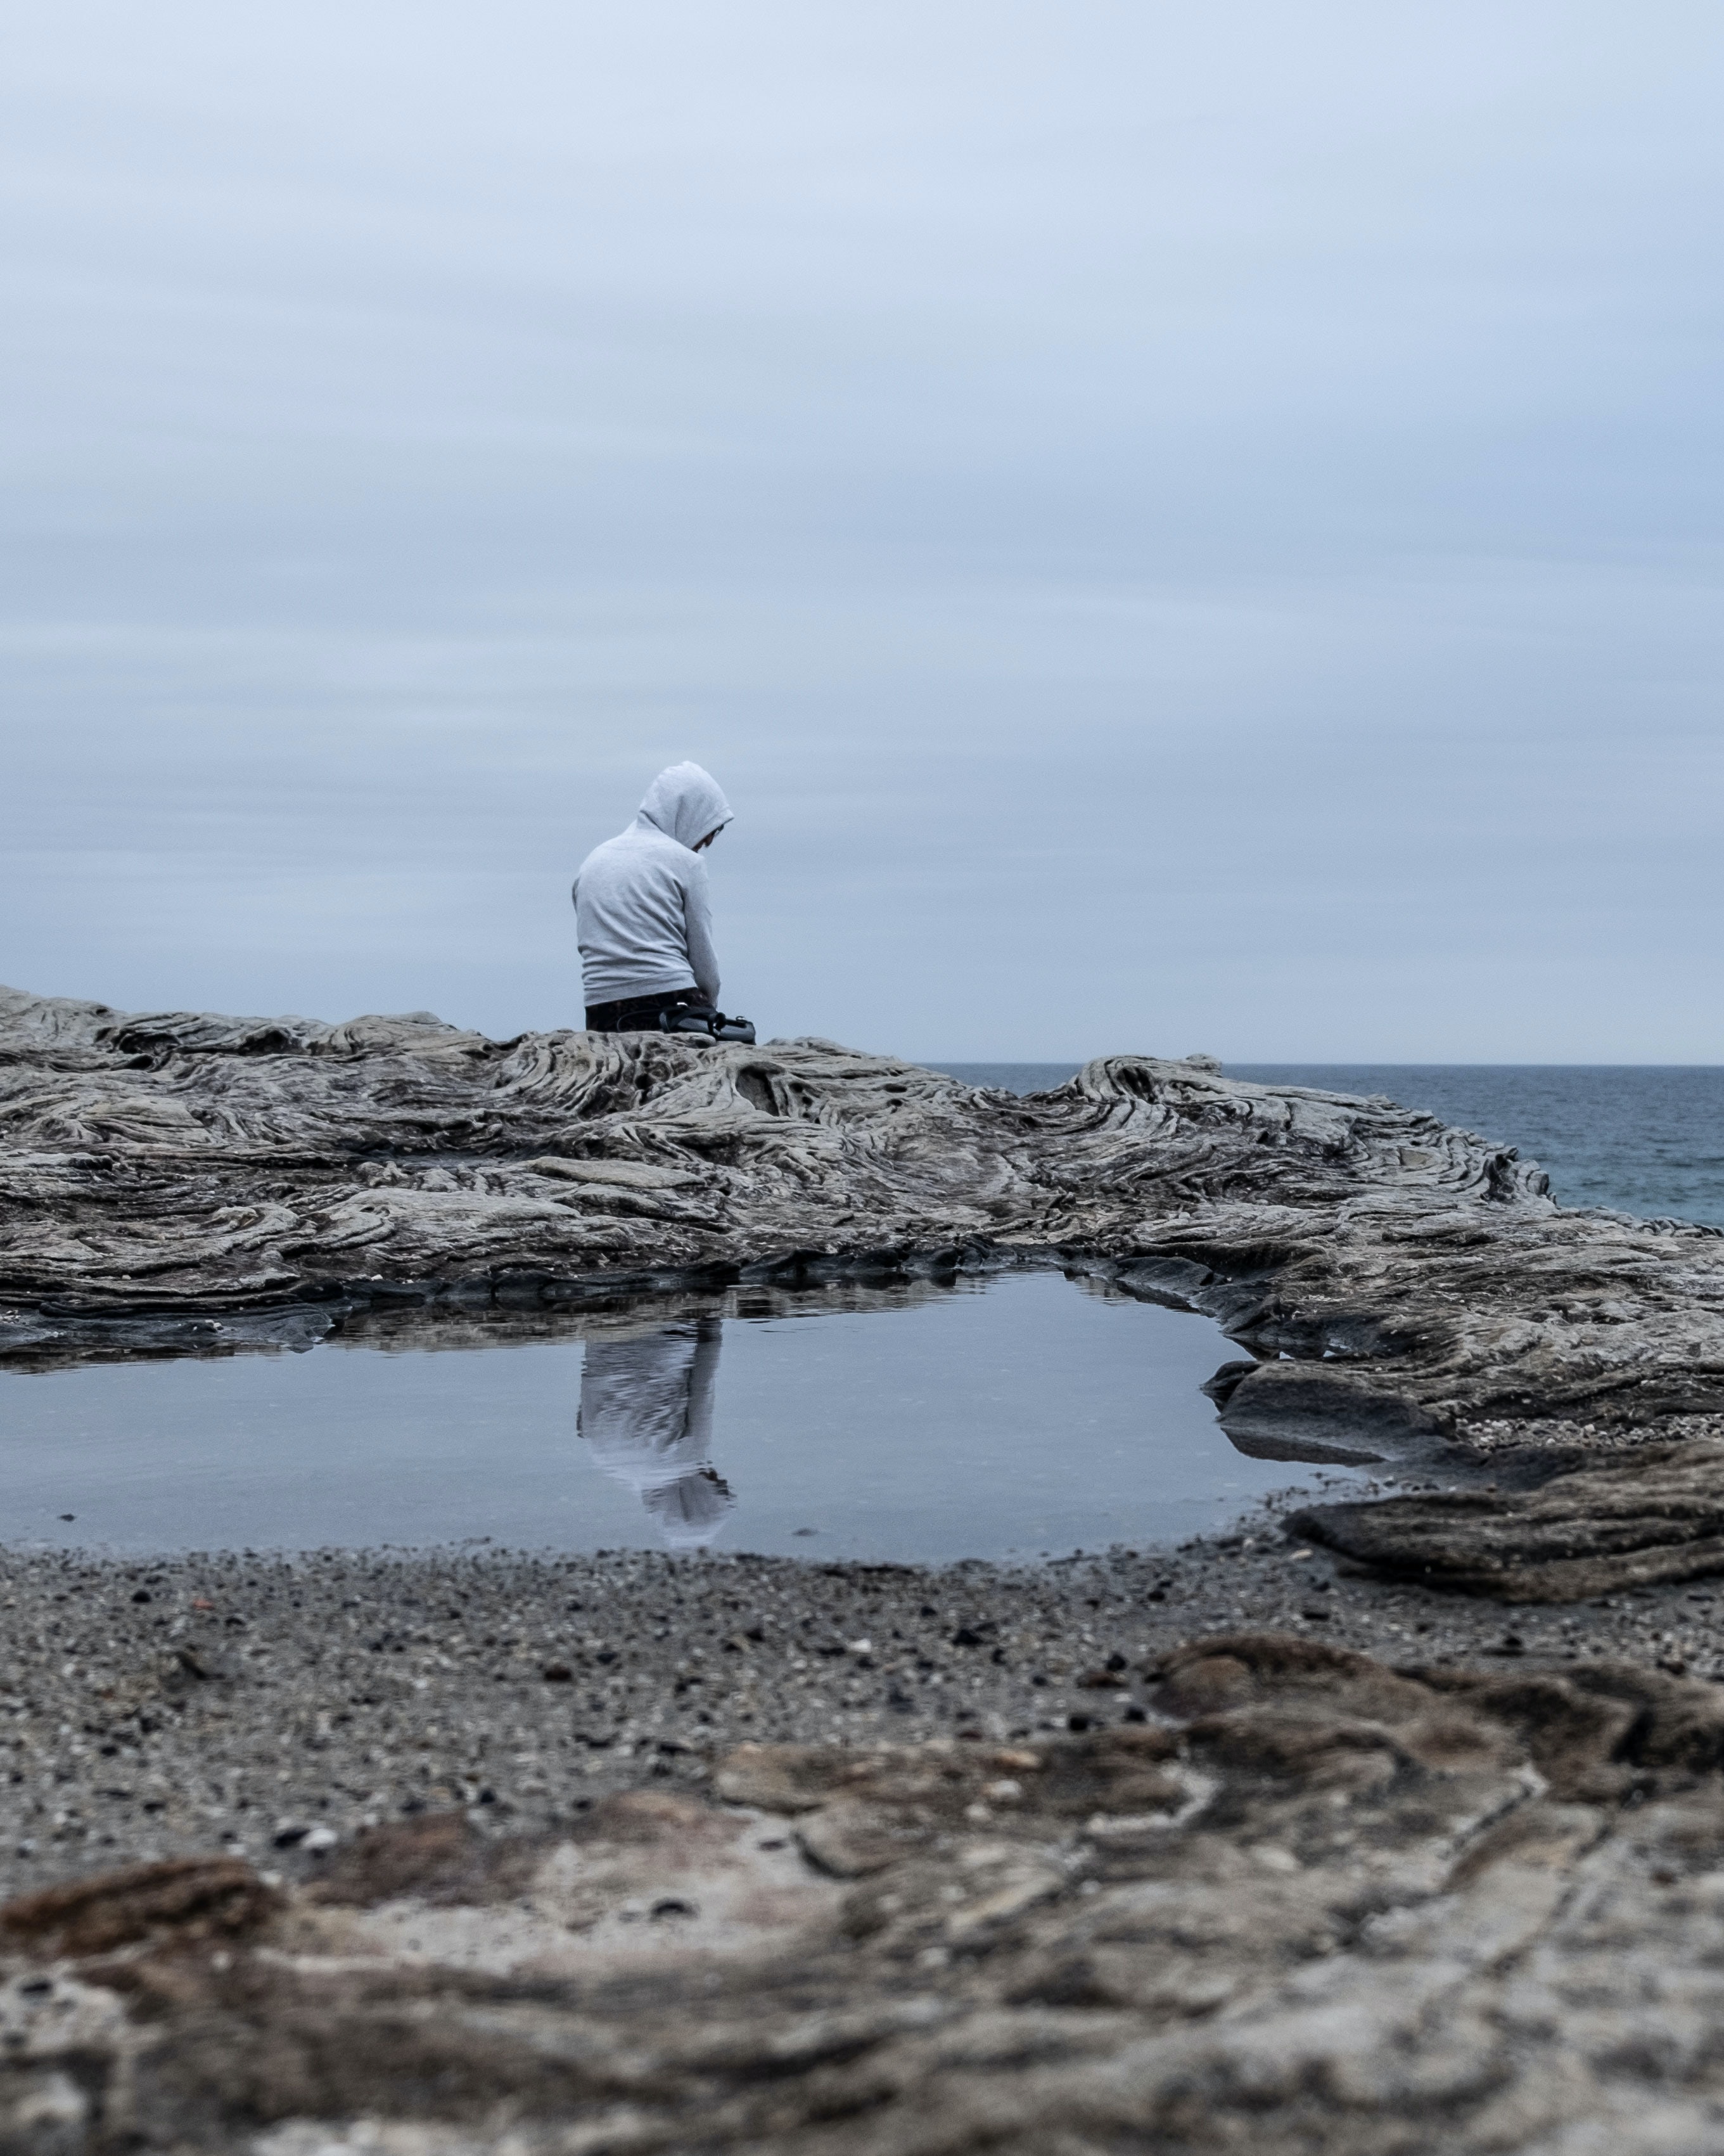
(686,803)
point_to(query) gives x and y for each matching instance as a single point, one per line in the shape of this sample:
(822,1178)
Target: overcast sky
(1177,528)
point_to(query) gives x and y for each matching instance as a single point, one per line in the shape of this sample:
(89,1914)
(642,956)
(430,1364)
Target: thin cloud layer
(1174,528)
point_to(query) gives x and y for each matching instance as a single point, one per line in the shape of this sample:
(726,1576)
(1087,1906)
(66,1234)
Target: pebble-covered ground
(271,1707)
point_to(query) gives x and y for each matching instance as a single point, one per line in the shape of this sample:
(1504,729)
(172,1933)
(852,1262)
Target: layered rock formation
(183,1179)
(1284,1897)
(1316,1905)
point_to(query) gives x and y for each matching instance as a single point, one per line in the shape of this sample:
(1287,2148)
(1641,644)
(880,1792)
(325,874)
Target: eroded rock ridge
(1314,1904)
(1393,1279)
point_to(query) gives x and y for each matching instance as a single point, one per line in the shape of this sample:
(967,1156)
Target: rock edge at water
(1405,1291)
(1416,1276)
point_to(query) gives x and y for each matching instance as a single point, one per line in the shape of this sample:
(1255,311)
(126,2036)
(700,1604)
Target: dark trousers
(638,1013)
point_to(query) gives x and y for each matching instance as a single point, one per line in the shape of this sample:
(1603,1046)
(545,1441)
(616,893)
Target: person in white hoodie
(642,916)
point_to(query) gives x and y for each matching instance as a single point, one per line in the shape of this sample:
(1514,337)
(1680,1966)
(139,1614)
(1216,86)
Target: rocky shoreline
(167,1707)
(1390,1825)
(1401,1290)
(441,1854)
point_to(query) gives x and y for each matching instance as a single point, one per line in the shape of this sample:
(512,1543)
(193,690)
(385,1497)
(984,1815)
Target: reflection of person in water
(646,1410)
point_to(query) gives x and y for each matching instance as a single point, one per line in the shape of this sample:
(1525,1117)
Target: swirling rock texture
(1289,1898)
(1405,1289)
(1316,1905)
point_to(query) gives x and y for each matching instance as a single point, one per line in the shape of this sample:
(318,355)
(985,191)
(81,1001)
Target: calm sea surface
(1646,1138)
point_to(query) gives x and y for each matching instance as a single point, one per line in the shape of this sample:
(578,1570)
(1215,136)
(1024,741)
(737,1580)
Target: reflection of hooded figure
(646,1410)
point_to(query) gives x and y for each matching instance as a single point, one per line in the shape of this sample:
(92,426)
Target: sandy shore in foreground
(271,1708)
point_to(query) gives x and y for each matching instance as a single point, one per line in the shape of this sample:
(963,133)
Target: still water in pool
(1024,1416)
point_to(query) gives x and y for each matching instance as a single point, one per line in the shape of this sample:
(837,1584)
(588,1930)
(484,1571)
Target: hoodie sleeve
(697,919)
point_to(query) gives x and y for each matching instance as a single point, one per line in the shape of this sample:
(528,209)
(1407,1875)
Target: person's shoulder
(677,858)
(643,847)
(595,859)
(622,842)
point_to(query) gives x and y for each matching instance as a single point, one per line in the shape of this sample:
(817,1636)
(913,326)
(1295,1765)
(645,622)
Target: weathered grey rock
(1628,1519)
(1317,1905)
(180,1181)
(253,1176)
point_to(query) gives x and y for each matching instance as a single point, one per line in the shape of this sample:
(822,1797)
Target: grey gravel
(271,1708)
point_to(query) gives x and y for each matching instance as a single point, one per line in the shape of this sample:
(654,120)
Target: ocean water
(1642,1138)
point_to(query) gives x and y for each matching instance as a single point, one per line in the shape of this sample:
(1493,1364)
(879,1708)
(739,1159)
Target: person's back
(643,918)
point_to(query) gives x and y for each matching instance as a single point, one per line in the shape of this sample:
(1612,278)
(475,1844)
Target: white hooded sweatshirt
(642,916)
